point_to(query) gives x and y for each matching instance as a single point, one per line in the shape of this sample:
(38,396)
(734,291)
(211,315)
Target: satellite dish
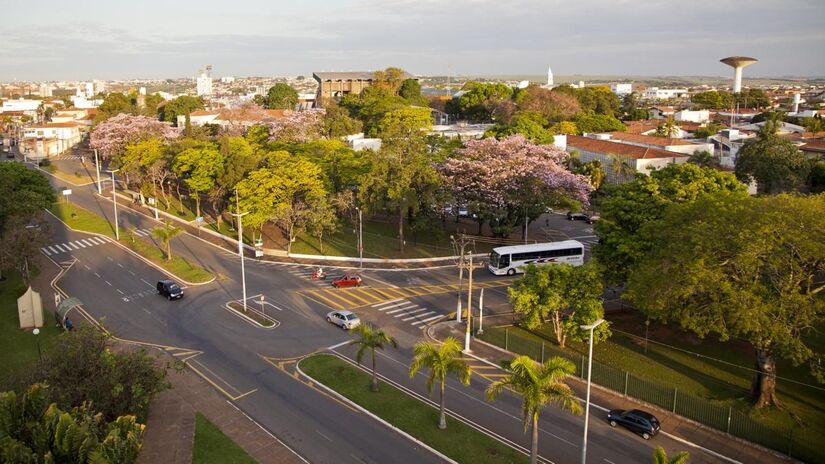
(523,84)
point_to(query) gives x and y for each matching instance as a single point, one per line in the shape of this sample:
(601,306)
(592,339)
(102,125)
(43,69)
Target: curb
(275,323)
(370,414)
(147,261)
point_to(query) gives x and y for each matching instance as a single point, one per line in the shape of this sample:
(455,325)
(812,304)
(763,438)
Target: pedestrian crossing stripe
(351,298)
(142,232)
(58,248)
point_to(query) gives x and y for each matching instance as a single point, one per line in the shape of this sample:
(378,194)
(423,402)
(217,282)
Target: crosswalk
(587,240)
(68,247)
(408,312)
(351,298)
(142,232)
(306,272)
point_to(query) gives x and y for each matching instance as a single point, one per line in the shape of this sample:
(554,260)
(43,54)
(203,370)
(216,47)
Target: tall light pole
(239,214)
(469,302)
(360,239)
(97,168)
(480,330)
(36,332)
(591,328)
(459,245)
(114,201)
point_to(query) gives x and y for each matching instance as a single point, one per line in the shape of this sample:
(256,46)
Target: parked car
(169,289)
(463,211)
(346,320)
(347,280)
(635,420)
(593,218)
(571,216)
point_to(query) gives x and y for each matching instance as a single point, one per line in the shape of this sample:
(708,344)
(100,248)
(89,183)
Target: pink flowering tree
(113,135)
(298,126)
(504,181)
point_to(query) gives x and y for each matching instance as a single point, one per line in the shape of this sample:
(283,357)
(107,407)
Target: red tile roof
(647,139)
(622,149)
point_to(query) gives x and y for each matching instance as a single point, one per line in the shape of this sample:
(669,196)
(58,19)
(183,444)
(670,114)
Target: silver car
(344,319)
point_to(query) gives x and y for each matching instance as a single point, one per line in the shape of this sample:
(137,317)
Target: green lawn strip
(213,447)
(81,219)
(72,178)
(251,313)
(18,347)
(459,441)
(676,365)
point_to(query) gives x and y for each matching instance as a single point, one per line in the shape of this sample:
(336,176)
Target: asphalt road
(254,367)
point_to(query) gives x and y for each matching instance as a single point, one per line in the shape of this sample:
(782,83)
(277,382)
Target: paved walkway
(170,427)
(673,424)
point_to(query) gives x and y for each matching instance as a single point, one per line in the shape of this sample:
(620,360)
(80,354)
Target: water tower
(737,63)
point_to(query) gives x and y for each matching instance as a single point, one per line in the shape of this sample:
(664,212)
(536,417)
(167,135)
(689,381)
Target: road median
(458,442)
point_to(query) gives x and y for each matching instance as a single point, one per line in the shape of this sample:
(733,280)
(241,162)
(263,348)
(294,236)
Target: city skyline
(465,37)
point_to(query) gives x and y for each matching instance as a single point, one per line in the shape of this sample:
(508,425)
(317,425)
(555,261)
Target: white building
(656,93)
(700,116)
(621,89)
(98,86)
(51,139)
(45,90)
(204,83)
(20,105)
(227,79)
(638,159)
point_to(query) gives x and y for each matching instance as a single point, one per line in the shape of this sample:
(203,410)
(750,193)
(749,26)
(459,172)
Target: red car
(347,280)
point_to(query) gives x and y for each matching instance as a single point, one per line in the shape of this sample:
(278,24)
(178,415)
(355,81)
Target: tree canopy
(774,162)
(740,267)
(281,97)
(183,105)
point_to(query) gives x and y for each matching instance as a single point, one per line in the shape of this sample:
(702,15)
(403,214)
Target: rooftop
(647,139)
(349,76)
(621,149)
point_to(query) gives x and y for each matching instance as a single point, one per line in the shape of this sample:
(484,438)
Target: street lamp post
(459,244)
(480,330)
(114,201)
(36,332)
(240,247)
(590,328)
(469,303)
(97,168)
(360,239)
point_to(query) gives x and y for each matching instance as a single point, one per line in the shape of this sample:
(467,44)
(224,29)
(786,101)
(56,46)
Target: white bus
(511,259)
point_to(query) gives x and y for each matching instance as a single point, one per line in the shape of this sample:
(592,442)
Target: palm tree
(619,166)
(660,457)
(370,338)
(668,128)
(538,385)
(440,360)
(165,234)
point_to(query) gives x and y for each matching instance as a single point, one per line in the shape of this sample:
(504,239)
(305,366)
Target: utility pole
(239,215)
(459,246)
(360,240)
(469,303)
(114,202)
(97,168)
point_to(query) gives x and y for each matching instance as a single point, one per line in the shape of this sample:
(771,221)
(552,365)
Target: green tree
(660,457)
(594,122)
(410,90)
(199,168)
(440,360)
(476,104)
(339,123)
(774,162)
(816,178)
(165,234)
(704,159)
(538,385)
(115,103)
(390,80)
(599,100)
(633,204)
(183,105)
(814,125)
(530,124)
(708,130)
(712,100)
(281,97)
(566,296)
(553,106)
(668,128)
(370,339)
(621,168)
(342,166)
(403,121)
(592,169)
(748,268)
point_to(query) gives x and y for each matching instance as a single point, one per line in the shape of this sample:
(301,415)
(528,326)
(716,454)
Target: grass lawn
(213,447)
(81,219)
(18,347)
(380,241)
(77,177)
(714,371)
(251,313)
(459,441)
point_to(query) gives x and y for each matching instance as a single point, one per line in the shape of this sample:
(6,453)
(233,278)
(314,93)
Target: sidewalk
(680,428)
(170,428)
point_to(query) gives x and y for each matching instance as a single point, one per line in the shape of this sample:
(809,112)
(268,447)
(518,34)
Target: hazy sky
(84,39)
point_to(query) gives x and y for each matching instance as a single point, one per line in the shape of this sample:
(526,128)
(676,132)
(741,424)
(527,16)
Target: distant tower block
(549,77)
(737,63)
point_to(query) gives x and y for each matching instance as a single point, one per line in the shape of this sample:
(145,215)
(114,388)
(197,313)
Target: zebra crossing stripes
(142,232)
(407,311)
(306,273)
(67,247)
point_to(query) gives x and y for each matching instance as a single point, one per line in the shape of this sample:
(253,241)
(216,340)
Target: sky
(119,39)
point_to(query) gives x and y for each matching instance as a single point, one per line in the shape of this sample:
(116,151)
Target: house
(684,130)
(675,145)
(655,93)
(699,116)
(621,89)
(241,117)
(638,159)
(50,139)
(662,112)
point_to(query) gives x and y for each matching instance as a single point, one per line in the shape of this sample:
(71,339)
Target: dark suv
(635,420)
(169,289)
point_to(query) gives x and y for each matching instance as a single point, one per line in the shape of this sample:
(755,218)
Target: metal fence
(797,442)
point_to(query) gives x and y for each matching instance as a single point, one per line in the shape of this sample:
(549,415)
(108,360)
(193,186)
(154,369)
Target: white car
(346,320)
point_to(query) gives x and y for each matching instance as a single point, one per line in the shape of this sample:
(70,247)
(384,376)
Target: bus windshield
(494,260)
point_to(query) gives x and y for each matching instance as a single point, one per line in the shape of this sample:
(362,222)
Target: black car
(571,216)
(169,289)
(635,420)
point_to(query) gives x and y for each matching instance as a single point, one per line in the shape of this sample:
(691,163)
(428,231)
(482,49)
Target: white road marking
(53,250)
(130,272)
(146,310)
(321,434)
(67,247)
(403,308)
(98,275)
(97,240)
(419,315)
(386,303)
(59,248)
(118,290)
(394,306)
(88,242)
(80,243)
(147,283)
(427,319)
(74,246)
(345,342)
(87,267)
(44,250)
(108,283)
(120,265)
